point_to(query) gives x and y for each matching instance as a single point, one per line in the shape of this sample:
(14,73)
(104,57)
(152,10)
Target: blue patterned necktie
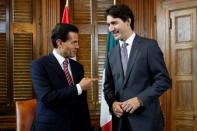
(124,57)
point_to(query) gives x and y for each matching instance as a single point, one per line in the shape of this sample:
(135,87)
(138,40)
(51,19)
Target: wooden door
(183,67)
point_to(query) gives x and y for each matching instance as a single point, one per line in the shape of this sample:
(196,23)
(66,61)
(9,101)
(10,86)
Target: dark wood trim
(7,122)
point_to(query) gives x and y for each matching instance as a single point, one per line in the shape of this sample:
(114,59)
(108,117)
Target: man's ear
(59,42)
(129,20)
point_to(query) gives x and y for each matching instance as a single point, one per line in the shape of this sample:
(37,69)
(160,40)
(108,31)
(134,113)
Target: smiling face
(69,48)
(121,30)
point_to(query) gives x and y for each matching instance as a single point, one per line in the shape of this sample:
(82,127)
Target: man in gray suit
(135,76)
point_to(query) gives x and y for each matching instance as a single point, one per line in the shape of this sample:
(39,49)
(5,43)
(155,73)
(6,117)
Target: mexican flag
(105,116)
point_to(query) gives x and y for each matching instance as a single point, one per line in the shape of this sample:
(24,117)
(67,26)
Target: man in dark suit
(135,76)
(60,86)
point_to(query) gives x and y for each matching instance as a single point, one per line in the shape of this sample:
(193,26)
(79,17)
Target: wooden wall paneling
(82,12)
(3,69)
(95,54)
(101,31)
(9,50)
(25,20)
(102,38)
(22,48)
(50,17)
(96,26)
(89,16)
(161,27)
(37,39)
(84,57)
(17,42)
(8,123)
(145,17)
(4,95)
(101,7)
(81,16)
(22,57)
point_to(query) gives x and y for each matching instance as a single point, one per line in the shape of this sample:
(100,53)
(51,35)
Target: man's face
(69,48)
(119,28)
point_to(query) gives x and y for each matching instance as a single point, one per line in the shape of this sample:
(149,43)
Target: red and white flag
(105,116)
(66,14)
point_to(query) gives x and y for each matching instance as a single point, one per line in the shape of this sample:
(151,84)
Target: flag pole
(114,2)
(67,3)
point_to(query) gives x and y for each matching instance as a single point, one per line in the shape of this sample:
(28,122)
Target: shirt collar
(59,58)
(129,40)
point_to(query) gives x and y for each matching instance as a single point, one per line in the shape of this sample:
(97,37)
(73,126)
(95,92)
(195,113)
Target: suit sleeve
(109,89)
(158,73)
(49,95)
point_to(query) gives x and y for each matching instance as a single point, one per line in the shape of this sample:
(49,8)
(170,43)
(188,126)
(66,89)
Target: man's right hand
(118,111)
(86,83)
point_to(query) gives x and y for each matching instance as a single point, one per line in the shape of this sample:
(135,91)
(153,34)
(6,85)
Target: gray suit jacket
(146,77)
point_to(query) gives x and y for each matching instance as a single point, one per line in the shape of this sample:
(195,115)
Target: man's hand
(116,106)
(86,83)
(131,105)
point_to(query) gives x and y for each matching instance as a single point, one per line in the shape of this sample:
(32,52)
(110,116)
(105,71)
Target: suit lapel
(56,66)
(118,63)
(132,57)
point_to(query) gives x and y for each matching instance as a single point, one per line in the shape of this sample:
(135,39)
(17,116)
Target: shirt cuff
(79,90)
(141,103)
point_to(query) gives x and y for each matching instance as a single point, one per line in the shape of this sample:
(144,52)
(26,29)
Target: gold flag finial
(67,3)
(114,2)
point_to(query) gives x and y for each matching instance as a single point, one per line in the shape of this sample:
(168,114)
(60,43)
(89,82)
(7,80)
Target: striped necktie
(67,74)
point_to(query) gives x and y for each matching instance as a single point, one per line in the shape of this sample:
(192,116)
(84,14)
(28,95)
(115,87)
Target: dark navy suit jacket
(146,77)
(59,108)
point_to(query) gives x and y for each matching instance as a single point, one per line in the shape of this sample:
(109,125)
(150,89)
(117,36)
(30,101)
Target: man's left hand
(131,105)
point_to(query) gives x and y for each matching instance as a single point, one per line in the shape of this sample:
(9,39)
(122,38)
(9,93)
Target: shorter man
(60,86)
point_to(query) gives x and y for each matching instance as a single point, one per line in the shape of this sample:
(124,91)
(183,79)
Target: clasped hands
(86,82)
(129,106)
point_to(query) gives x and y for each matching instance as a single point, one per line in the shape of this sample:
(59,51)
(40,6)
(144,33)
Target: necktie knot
(65,63)
(124,45)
